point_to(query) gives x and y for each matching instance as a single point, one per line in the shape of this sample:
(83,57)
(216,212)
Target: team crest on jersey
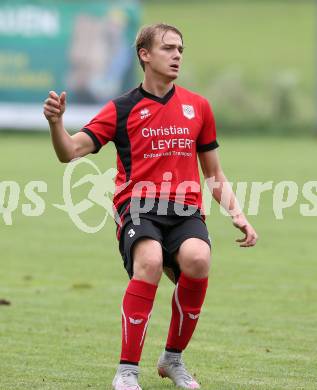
(188,111)
(145,113)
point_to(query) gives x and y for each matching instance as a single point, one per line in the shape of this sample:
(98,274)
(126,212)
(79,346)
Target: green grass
(254,60)
(260,38)
(61,331)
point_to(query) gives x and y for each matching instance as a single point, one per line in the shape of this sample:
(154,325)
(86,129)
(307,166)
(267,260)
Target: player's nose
(177,55)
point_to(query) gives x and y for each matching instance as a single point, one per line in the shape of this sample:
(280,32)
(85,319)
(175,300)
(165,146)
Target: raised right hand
(54,106)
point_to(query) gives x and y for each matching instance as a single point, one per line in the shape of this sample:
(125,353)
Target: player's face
(165,56)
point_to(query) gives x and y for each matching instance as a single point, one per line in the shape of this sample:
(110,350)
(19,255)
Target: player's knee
(148,262)
(200,262)
(148,269)
(196,264)
(151,264)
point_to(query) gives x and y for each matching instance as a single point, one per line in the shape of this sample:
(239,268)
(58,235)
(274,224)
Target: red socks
(187,301)
(137,306)
(136,311)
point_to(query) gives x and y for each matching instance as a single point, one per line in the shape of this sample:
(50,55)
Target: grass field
(255,60)
(61,331)
(258,327)
(260,38)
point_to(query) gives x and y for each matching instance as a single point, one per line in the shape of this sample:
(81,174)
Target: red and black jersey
(157,140)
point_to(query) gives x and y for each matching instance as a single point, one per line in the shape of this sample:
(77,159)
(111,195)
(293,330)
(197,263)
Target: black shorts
(171,232)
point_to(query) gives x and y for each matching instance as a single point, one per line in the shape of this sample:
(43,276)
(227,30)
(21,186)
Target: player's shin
(136,312)
(187,301)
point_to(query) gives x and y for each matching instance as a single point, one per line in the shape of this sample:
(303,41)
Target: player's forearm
(62,141)
(222,192)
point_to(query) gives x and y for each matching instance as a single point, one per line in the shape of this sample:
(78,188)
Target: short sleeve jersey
(157,140)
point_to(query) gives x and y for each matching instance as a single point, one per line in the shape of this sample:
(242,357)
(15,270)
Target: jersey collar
(162,100)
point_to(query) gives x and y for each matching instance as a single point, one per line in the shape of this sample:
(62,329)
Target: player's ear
(144,54)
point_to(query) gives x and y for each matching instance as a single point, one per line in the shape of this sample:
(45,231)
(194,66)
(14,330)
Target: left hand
(250,238)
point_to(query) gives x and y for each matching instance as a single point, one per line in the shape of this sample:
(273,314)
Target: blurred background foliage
(254,60)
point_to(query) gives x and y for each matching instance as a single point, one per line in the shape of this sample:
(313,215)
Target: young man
(159,129)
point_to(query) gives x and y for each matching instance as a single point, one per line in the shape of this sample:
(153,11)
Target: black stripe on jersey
(205,148)
(94,138)
(163,100)
(124,105)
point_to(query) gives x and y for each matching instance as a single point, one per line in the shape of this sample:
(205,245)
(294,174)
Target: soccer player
(159,129)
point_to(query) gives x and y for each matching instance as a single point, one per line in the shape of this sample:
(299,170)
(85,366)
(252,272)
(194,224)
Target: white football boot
(170,365)
(126,378)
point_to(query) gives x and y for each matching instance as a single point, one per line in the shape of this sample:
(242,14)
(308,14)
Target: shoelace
(130,377)
(180,370)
